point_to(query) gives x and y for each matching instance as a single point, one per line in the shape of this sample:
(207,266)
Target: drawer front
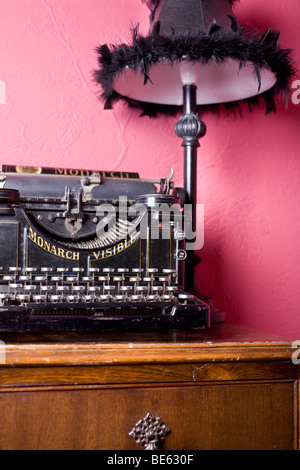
(219,416)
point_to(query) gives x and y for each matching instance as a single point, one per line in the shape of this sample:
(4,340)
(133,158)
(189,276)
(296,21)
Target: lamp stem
(190,128)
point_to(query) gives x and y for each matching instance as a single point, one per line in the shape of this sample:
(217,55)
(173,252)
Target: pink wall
(249,169)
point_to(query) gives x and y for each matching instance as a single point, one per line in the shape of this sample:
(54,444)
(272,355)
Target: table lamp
(195,58)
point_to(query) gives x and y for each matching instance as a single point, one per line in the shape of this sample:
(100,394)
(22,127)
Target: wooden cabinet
(226,388)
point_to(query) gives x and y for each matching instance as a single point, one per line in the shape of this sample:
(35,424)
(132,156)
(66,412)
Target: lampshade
(234,65)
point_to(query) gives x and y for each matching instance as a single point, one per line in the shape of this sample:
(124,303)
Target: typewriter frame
(55,261)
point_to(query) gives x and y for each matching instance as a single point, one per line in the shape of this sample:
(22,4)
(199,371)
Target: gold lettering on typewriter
(65,172)
(115,250)
(50,248)
(103,174)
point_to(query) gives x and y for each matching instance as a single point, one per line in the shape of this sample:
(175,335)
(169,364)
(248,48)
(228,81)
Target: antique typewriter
(75,255)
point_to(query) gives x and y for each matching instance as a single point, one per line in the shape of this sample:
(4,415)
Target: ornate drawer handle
(150,432)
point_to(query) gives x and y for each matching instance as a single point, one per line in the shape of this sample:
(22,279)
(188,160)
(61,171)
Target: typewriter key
(29,271)
(73,298)
(170,271)
(78,289)
(62,270)
(119,280)
(14,270)
(39,298)
(23,298)
(15,287)
(89,298)
(185,297)
(30,288)
(62,288)
(149,281)
(105,297)
(166,297)
(94,289)
(120,298)
(152,270)
(9,278)
(152,298)
(56,298)
(136,297)
(25,278)
(123,270)
(108,289)
(4,297)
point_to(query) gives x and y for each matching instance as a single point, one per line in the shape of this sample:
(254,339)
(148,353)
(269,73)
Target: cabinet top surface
(223,342)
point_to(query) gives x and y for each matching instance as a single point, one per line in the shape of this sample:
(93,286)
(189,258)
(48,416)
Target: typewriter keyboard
(72,286)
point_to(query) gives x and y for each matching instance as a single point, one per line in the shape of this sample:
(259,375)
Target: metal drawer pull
(150,432)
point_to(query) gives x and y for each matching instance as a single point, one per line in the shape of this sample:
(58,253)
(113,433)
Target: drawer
(252,415)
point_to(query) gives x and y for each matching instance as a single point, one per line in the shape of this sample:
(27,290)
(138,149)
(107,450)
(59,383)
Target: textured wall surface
(249,168)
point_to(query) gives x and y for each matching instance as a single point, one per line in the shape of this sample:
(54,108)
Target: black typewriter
(90,250)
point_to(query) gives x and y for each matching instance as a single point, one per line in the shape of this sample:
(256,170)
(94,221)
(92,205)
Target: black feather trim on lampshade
(235,66)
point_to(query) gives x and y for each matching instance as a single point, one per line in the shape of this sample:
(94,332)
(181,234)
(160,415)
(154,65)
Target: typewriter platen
(84,250)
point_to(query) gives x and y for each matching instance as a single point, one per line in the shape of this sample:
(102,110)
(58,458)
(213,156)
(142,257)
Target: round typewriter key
(108,270)
(89,298)
(166,297)
(135,279)
(141,288)
(40,278)
(87,279)
(62,288)
(105,297)
(23,297)
(94,289)
(78,270)
(157,288)
(120,298)
(123,270)
(108,289)
(39,298)
(126,289)
(185,297)
(56,298)
(4,297)
(9,278)
(16,286)
(46,288)
(170,271)
(152,298)
(30,288)
(152,270)
(30,270)
(46,270)
(24,278)
(79,288)
(137,270)
(72,278)
(14,270)
(62,270)
(136,297)
(148,279)
(94,270)
(73,298)
(118,278)
(171,288)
